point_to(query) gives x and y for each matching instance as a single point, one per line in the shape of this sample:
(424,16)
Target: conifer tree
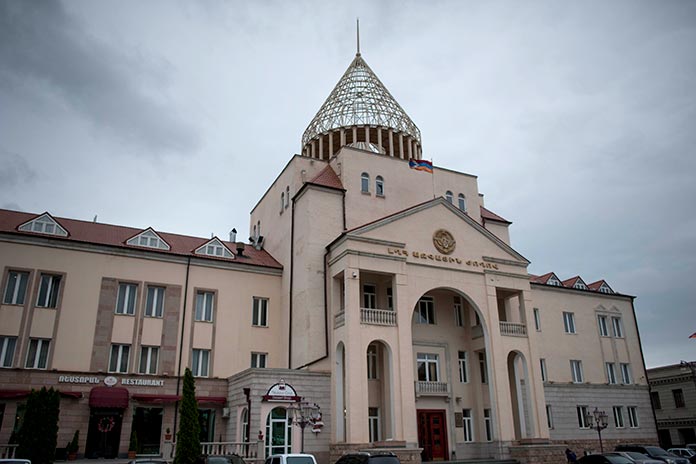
(39,433)
(188,440)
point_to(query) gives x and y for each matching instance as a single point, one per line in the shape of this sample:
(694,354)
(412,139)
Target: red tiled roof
(568,283)
(488,215)
(111,235)
(596,285)
(542,279)
(571,282)
(327,177)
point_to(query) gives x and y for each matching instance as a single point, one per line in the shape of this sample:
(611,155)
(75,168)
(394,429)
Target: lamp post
(305,413)
(598,421)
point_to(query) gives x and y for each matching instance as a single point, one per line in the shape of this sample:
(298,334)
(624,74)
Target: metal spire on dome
(360,99)
(357,21)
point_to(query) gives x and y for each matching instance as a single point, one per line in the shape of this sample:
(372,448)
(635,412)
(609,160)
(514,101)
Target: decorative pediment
(214,247)
(576,283)
(44,224)
(149,239)
(553,280)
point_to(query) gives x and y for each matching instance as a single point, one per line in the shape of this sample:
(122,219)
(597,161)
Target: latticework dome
(361,109)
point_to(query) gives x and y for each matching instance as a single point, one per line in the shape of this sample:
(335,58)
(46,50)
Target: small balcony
(513,329)
(431,388)
(382,317)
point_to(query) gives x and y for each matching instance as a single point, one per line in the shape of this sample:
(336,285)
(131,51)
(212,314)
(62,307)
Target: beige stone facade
(389,296)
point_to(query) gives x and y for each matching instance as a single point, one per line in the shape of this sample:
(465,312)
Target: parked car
(638,458)
(226,459)
(15,461)
(148,461)
(685,453)
(608,458)
(370,458)
(691,446)
(295,458)
(654,452)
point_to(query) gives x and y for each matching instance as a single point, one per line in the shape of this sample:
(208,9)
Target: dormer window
(44,224)
(149,239)
(579,285)
(604,288)
(553,281)
(214,247)
(462,202)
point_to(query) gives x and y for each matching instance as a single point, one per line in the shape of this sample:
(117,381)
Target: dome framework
(360,112)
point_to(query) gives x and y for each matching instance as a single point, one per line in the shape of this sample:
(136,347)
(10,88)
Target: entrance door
(104,433)
(147,423)
(432,434)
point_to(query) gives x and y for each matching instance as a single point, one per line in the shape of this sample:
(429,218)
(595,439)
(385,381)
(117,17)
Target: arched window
(278,432)
(462,202)
(448,196)
(244,424)
(365,182)
(282,201)
(379,186)
(287,196)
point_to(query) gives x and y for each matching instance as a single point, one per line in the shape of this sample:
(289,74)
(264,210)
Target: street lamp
(306,413)
(598,421)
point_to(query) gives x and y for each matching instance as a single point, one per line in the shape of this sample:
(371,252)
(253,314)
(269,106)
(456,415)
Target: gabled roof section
(430,204)
(44,224)
(600,286)
(549,278)
(109,235)
(360,98)
(214,247)
(327,177)
(488,215)
(149,238)
(576,283)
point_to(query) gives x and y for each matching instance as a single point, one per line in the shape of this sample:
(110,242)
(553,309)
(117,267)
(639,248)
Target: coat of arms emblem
(444,241)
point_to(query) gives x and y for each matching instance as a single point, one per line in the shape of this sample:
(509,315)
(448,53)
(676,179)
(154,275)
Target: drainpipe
(292,251)
(181,347)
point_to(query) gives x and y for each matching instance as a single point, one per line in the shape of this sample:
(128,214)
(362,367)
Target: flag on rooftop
(421,165)
(693,335)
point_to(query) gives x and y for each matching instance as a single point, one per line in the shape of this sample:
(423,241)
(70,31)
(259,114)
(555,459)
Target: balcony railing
(431,388)
(339,319)
(513,329)
(377,317)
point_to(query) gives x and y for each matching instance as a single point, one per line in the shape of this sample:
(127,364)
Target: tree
(188,438)
(39,433)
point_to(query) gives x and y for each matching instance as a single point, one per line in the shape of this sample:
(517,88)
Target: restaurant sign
(110,380)
(282,393)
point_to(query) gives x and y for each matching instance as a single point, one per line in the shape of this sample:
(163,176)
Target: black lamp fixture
(304,414)
(597,420)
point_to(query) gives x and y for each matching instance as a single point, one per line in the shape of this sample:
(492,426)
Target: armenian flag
(421,165)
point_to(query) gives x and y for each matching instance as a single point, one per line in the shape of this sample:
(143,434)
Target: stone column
(401,145)
(367,134)
(410,148)
(391,143)
(379,137)
(355,134)
(331,151)
(343,137)
(321,147)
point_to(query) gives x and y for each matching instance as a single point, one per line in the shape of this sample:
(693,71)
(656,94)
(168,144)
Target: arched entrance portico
(380,392)
(518,375)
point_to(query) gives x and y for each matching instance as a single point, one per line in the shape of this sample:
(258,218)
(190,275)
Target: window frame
(40,343)
(259,311)
(463,363)
(617,327)
(483,366)
(581,411)
(51,299)
(537,319)
(602,325)
(618,417)
(372,362)
(148,352)
(122,306)
(259,360)
(200,361)
(449,197)
(458,311)
(468,425)
(678,397)
(488,424)
(369,298)
(569,322)
(155,310)
(427,360)
(374,424)
(427,303)
(16,287)
(201,313)
(120,348)
(542,367)
(610,369)
(379,186)
(364,183)
(461,202)
(7,352)
(576,372)
(549,416)
(626,376)
(633,422)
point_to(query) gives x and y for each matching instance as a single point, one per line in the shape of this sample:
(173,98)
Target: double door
(432,434)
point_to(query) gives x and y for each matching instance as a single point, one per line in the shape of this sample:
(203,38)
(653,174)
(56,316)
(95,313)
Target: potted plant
(168,434)
(133,446)
(73,446)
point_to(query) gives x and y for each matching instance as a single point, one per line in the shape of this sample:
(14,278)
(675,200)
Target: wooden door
(432,435)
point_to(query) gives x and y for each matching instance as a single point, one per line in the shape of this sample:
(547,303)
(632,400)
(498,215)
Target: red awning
(154,398)
(76,395)
(108,397)
(219,400)
(9,394)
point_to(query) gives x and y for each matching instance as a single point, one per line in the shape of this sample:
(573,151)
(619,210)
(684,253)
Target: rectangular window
(373,424)
(372,362)
(576,370)
(48,291)
(569,322)
(258,360)
(369,296)
(426,311)
(488,424)
(583,423)
(618,417)
(626,378)
(390,299)
(617,327)
(118,361)
(632,416)
(537,320)
(37,356)
(458,319)
(154,306)
(7,349)
(467,423)
(199,363)
(678,396)
(463,368)
(611,373)
(655,399)
(483,368)
(428,367)
(542,365)
(204,306)
(125,302)
(16,287)
(148,359)
(259,317)
(603,328)
(549,416)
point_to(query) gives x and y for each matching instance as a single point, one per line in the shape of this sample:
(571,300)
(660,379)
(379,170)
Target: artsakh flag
(421,165)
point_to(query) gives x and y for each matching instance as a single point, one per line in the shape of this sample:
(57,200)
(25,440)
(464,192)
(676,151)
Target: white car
(290,459)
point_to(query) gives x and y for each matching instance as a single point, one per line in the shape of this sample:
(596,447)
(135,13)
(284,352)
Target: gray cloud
(42,44)
(14,170)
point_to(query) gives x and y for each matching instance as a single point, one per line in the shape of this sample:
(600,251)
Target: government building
(377,291)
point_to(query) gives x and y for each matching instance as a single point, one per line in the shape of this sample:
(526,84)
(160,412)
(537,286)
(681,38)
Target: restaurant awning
(154,398)
(108,397)
(17,394)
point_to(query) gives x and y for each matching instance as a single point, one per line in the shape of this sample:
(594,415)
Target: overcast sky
(578,117)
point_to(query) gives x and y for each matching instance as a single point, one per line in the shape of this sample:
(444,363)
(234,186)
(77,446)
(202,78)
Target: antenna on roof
(357,21)
(95,218)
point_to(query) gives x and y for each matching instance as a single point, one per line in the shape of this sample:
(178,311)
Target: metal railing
(514,329)
(250,451)
(377,316)
(431,388)
(8,451)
